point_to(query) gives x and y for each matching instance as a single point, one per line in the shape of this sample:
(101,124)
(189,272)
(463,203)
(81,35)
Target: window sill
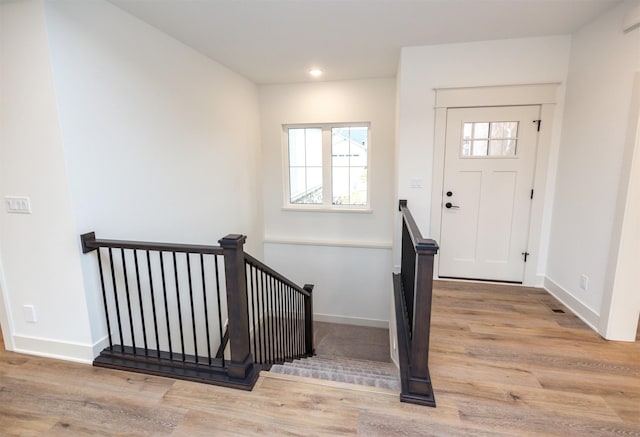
(363,210)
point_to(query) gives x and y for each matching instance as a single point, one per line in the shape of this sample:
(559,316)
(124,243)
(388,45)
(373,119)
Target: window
(496,139)
(328,166)
(305,165)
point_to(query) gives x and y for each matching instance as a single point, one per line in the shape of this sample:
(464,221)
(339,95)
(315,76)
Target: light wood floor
(502,363)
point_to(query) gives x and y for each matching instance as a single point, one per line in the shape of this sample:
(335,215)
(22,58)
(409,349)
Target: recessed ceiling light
(315,72)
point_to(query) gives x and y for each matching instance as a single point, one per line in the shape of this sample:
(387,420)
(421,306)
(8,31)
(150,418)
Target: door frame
(544,95)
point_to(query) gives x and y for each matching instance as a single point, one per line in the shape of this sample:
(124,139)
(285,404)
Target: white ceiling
(278,41)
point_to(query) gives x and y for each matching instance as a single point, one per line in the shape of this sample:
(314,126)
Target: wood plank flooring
(502,363)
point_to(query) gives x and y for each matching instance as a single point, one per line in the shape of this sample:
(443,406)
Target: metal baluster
(288,319)
(274,349)
(126,288)
(280,320)
(193,314)
(250,296)
(283,293)
(300,325)
(166,305)
(115,294)
(264,317)
(215,262)
(256,331)
(144,328)
(206,310)
(153,304)
(297,335)
(175,270)
(292,316)
(292,324)
(104,300)
(274,315)
(294,320)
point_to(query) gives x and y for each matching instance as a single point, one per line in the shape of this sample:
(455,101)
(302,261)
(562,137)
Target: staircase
(211,314)
(341,369)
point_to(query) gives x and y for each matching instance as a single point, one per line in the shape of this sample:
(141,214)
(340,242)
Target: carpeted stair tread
(344,372)
(347,359)
(364,364)
(339,377)
(344,368)
(362,372)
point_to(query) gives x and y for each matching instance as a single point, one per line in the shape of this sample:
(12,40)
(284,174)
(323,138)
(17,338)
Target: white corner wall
(485,63)
(109,125)
(161,142)
(346,255)
(621,304)
(39,252)
(592,169)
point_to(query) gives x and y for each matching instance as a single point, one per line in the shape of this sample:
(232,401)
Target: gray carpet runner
(341,369)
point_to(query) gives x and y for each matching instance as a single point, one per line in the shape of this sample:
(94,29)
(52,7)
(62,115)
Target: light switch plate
(19,205)
(416,182)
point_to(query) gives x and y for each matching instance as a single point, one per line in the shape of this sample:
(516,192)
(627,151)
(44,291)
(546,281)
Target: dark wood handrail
(90,243)
(421,244)
(265,268)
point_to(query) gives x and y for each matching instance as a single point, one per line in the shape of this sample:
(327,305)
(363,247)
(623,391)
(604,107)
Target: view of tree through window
(305,165)
(328,165)
(349,165)
(481,139)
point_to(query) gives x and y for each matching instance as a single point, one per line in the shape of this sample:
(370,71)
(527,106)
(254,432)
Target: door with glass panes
(487,190)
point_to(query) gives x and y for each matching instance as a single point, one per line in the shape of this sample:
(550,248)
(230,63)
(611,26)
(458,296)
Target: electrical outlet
(584,282)
(29,312)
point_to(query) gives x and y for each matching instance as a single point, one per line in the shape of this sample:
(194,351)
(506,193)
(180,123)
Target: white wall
(116,128)
(39,252)
(485,63)
(161,143)
(621,304)
(333,242)
(596,124)
(351,285)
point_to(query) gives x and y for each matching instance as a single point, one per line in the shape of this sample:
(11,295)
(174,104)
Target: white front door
(487,189)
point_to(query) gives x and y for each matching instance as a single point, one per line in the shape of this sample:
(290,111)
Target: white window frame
(327,167)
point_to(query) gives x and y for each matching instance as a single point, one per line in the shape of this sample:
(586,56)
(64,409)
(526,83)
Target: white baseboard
(100,345)
(586,314)
(356,321)
(60,350)
(538,281)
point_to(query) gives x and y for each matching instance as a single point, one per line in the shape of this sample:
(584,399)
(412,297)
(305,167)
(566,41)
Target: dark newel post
(241,365)
(88,242)
(420,379)
(308,320)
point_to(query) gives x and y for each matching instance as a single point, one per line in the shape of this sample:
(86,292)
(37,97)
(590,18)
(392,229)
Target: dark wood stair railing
(285,331)
(165,305)
(413,288)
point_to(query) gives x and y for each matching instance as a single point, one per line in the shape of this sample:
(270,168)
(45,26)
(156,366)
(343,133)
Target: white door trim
(544,95)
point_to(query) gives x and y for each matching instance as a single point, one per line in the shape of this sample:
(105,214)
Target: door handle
(450,205)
